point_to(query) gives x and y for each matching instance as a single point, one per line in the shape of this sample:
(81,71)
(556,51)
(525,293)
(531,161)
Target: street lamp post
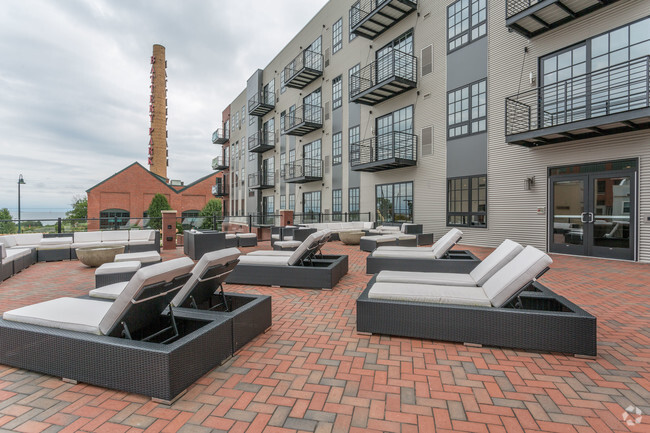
(21,181)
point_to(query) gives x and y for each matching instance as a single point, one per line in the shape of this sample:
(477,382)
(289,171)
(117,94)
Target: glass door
(568,214)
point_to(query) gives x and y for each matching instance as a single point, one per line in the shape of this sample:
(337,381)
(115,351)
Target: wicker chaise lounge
(510,309)
(438,258)
(128,344)
(300,268)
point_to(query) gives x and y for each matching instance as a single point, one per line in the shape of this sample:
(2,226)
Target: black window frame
(351,34)
(337,204)
(392,200)
(469,213)
(470,107)
(337,92)
(337,36)
(337,148)
(109,218)
(470,27)
(354,145)
(354,198)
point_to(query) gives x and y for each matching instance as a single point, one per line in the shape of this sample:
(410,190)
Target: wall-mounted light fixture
(529,182)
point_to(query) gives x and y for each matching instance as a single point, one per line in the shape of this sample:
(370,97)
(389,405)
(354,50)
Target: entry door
(593,214)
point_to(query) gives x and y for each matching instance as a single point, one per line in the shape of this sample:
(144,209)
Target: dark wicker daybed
(302,268)
(163,352)
(533,318)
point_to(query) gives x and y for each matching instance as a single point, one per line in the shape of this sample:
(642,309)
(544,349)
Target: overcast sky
(74,84)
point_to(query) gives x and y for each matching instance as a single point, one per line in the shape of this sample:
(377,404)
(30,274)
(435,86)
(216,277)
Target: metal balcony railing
(220,188)
(220,136)
(261,141)
(303,170)
(604,97)
(261,103)
(384,152)
(219,163)
(391,74)
(261,180)
(534,17)
(304,69)
(303,120)
(370,18)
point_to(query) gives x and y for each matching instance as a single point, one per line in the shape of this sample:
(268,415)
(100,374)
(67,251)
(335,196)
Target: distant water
(40,215)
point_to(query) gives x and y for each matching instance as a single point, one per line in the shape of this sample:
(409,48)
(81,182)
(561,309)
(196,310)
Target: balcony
(604,102)
(220,136)
(303,69)
(531,18)
(303,120)
(384,152)
(393,73)
(370,18)
(303,171)
(261,141)
(261,104)
(220,188)
(261,180)
(220,163)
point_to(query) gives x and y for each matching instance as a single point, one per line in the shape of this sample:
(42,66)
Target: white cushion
(15,253)
(87,237)
(118,267)
(3,251)
(288,238)
(49,247)
(275,236)
(377,237)
(265,260)
(404,249)
(503,254)
(473,296)
(111,291)
(514,275)
(437,278)
(140,242)
(148,275)
(8,240)
(288,244)
(428,255)
(73,314)
(246,235)
(445,243)
(142,235)
(308,243)
(30,239)
(115,236)
(143,257)
(231,236)
(86,244)
(213,258)
(404,236)
(57,241)
(271,253)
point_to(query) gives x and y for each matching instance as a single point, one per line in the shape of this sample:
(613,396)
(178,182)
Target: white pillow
(80,237)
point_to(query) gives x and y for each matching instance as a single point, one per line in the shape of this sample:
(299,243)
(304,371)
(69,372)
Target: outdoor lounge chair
(509,309)
(438,258)
(301,268)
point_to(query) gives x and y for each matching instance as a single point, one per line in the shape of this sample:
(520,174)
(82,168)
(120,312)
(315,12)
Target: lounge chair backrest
(444,244)
(207,275)
(505,252)
(305,249)
(514,276)
(159,272)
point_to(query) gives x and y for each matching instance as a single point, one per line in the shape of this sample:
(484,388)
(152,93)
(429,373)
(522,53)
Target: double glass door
(594,214)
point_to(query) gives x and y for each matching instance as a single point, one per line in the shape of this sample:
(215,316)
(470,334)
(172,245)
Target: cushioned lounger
(438,258)
(509,309)
(301,268)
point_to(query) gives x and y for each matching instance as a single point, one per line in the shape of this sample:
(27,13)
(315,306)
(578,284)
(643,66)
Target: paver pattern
(311,372)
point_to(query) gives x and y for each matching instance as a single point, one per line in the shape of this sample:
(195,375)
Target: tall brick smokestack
(158,160)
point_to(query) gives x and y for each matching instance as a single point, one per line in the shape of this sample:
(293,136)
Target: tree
(212,207)
(158,204)
(6,227)
(79,208)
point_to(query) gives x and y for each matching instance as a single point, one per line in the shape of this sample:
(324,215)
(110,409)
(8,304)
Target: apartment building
(521,119)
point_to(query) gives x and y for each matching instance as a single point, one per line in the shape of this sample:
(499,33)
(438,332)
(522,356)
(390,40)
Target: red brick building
(128,193)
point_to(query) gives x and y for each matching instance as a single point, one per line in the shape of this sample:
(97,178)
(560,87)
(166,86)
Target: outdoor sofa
(509,309)
(303,268)
(138,343)
(14,260)
(437,258)
(198,242)
(301,234)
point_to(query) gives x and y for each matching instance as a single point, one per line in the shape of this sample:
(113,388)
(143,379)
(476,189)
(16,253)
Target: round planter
(351,238)
(97,256)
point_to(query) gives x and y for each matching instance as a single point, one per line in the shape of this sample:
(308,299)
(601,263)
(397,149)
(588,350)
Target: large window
(337,148)
(337,205)
(395,135)
(466,22)
(394,202)
(354,136)
(467,201)
(353,17)
(353,204)
(292,202)
(337,92)
(356,83)
(337,35)
(283,201)
(311,206)
(467,110)
(111,218)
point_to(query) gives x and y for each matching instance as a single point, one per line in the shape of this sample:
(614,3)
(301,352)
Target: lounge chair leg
(473,345)
(168,402)
(67,380)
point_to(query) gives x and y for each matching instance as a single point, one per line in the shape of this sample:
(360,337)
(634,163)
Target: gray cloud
(74,84)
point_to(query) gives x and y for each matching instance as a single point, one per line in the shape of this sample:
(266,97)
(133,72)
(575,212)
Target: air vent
(427,60)
(327,57)
(327,111)
(327,164)
(427,141)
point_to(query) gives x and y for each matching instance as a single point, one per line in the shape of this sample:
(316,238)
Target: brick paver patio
(312,372)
